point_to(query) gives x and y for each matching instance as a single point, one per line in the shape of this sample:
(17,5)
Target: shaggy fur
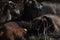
(12,33)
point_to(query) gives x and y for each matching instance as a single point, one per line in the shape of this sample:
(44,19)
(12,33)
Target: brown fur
(11,32)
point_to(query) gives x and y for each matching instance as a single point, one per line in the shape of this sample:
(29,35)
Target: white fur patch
(38,5)
(9,15)
(17,11)
(10,2)
(25,29)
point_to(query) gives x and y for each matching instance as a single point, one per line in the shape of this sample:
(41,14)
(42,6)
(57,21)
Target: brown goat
(9,33)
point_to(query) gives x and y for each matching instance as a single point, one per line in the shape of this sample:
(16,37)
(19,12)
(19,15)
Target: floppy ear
(50,27)
(48,19)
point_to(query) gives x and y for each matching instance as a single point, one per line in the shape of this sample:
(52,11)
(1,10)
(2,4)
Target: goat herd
(39,21)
